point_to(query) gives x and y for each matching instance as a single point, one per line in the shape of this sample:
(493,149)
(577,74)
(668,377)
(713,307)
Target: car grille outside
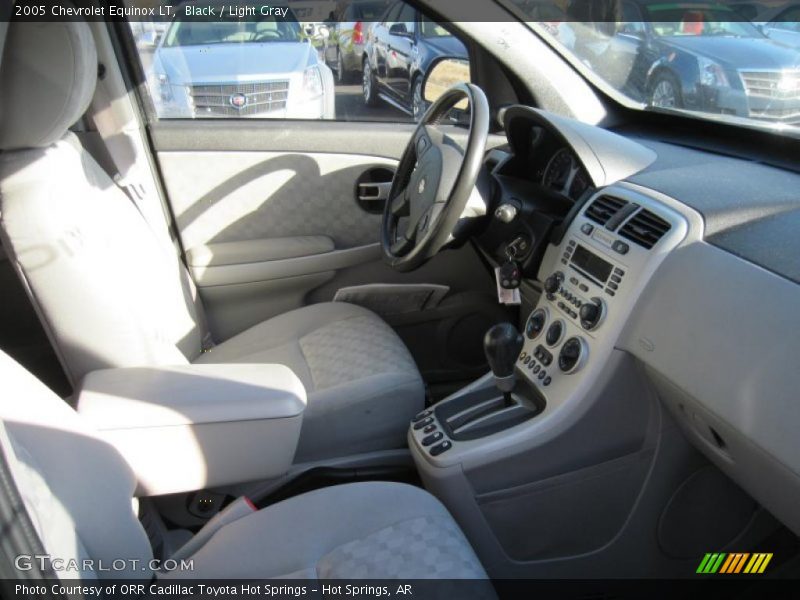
(777,86)
(260,98)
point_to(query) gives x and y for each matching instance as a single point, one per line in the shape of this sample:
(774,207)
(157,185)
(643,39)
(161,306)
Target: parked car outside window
(240,68)
(344,46)
(700,56)
(399,51)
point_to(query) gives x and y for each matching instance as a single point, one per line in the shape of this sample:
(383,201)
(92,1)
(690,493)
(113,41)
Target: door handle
(374,192)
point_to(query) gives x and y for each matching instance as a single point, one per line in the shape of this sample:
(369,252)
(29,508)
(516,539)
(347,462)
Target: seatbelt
(118,145)
(137,194)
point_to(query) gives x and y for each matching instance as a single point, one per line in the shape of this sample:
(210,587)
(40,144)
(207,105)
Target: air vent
(645,229)
(604,208)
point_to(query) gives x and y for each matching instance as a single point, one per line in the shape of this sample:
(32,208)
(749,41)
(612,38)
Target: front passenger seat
(110,294)
(77,489)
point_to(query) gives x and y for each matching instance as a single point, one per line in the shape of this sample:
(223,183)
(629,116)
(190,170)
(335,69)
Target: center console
(545,469)
(591,282)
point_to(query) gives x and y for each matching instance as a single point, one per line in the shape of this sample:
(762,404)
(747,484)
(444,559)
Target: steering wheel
(434,182)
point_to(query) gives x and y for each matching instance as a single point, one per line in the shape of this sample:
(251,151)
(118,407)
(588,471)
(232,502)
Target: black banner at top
(332,11)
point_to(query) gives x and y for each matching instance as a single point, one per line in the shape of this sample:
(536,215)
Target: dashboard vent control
(604,208)
(645,229)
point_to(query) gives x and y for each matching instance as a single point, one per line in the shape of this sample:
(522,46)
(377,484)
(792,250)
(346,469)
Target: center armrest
(191,427)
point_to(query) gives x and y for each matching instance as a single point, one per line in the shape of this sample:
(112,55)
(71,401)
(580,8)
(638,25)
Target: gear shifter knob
(502,345)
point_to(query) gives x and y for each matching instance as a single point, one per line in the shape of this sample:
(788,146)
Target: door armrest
(254,251)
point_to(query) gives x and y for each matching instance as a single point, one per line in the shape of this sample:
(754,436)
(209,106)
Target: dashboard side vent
(645,228)
(604,208)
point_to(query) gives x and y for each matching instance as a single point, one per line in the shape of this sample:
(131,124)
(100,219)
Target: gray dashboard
(715,324)
(749,208)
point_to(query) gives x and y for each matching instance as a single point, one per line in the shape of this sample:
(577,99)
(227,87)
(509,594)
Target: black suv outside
(698,56)
(400,48)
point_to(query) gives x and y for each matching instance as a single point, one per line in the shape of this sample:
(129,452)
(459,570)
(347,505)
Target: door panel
(233,196)
(268,224)
(270,217)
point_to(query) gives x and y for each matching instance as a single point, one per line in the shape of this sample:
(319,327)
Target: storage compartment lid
(189,394)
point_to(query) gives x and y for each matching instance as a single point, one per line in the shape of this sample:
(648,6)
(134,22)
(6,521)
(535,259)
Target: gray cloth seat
(372,530)
(76,489)
(111,291)
(360,379)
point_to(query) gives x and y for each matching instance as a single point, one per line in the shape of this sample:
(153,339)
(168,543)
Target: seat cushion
(362,384)
(374,530)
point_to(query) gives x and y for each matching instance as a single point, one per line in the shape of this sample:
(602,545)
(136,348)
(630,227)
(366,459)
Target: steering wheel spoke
(429,217)
(400,205)
(437,177)
(401,245)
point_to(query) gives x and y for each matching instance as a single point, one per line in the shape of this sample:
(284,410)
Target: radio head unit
(591,265)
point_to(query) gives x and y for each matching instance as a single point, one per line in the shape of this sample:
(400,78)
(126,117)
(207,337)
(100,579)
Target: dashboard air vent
(604,208)
(645,229)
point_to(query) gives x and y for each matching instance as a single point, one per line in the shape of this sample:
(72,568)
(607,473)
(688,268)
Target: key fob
(510,275)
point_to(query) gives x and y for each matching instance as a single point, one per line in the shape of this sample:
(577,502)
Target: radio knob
(591,313)
(553,283)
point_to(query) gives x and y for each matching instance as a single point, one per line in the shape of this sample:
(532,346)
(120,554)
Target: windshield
(267,29)
(706,58)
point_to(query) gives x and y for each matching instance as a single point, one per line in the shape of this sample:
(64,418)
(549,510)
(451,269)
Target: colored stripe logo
(734,563)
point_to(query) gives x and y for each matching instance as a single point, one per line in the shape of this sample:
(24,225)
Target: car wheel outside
(368,85)
(665,91)
(418,104)
(342,76)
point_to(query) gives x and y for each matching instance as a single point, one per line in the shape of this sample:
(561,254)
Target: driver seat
(111,294)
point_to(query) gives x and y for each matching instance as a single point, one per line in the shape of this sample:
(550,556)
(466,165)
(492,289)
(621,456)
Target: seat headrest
(47,80)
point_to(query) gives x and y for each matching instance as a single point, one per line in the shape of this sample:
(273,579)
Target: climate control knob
(553,283)
(592,313)
(554,332)
(573,355)
(536,323)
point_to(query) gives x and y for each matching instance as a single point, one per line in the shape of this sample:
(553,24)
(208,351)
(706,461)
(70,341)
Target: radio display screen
(591,264)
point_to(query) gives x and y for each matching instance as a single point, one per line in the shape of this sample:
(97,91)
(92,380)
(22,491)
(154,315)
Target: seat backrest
(76,488)
(109,293)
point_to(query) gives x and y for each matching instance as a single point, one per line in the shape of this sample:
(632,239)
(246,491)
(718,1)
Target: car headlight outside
(712,74)
(312,83)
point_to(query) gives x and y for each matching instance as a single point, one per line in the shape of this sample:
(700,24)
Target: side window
(406,18)
(253,60)
(432,29)
(392,16)
(632,23)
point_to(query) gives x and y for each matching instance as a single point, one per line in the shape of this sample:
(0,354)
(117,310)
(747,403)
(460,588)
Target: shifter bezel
(482,408)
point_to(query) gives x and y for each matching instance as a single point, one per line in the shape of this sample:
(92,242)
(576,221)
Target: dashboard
(638,246)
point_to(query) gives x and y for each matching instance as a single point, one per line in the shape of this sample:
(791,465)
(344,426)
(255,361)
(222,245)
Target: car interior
(544,333)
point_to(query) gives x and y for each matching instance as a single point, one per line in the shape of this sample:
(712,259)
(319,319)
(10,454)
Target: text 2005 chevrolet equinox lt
(543,341)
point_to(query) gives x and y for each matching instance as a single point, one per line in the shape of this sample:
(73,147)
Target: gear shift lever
(502,345)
